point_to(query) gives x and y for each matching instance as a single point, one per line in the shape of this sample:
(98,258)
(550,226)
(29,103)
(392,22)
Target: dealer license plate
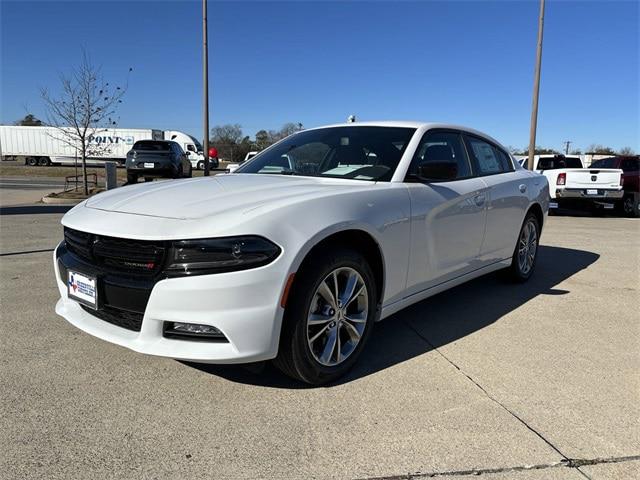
(82,288)
(592,192)
(149,165)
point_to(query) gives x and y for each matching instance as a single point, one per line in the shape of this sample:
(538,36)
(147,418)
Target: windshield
(360,153)
(196,143)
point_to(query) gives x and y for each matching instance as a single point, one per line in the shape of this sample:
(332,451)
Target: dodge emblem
(594,178)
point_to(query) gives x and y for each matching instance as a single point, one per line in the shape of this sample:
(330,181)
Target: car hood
(207,196)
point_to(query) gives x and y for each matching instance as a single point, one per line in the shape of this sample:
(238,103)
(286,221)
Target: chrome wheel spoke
(354,334)
(349,288)
(319,319)
(320,332)
(325,292)
(354,296)
(329,346)
(357,317)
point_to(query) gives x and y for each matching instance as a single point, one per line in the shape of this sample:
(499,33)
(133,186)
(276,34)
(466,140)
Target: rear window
(605,163)
(151,145)
(559,162)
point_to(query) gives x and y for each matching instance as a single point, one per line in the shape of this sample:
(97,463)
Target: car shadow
(441,319)
(34,209)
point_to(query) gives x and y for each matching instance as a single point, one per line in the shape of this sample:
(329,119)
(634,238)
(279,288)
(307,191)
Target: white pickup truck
(570,182)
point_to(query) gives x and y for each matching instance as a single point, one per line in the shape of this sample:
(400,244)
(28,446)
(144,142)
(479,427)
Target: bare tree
(601,149)
(626,151)
(29,120)
(85,104)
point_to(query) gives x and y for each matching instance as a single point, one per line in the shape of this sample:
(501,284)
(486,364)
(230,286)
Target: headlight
(215,255)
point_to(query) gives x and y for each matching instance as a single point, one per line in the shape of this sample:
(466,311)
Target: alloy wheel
(527,247)
(337,316)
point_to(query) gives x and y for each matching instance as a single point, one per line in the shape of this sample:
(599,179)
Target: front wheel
(526,251)
(328,318)
(200,165)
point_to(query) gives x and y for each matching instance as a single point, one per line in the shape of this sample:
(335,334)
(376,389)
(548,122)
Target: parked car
(630,166)
(232,167)
(273,263)
(157,158)
(572,184)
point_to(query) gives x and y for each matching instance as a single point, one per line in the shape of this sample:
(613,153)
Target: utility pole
(536,90)
(566,146)
(205,85)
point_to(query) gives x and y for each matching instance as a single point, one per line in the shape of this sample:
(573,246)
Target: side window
(486,157)
(505,160)
(191,148)
(630,165)
(442,147)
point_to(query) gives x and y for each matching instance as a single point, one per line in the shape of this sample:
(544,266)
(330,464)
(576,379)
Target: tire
(189,172)
(200,165)
(346,328)
(148,179)
(178,172)
(32,161)
(132,178)
(522,267)
(630,205)
(44,162)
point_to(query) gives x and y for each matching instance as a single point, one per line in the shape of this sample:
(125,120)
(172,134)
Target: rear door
(447,217)
(506,198)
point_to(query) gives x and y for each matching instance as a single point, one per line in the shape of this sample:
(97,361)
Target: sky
(469,63)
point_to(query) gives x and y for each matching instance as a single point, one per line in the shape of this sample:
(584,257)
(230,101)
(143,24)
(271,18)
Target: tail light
(562,179)
(621,180)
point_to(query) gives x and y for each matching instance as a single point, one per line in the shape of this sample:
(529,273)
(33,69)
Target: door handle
(522,188)
(479,200)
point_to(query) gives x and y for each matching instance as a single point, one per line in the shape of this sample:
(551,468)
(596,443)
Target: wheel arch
(536,209)
(361,241)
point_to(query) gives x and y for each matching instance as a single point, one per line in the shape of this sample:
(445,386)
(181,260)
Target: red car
(630,166)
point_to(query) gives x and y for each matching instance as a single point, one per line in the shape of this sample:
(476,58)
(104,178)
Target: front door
(448,217)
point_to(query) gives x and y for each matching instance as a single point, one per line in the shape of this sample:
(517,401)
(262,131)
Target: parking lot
(533,381)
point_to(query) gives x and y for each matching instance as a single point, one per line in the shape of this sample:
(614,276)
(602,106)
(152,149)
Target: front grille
(119,255)
(120,318)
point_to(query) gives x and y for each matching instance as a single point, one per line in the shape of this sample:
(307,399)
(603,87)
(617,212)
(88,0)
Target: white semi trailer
(48,145)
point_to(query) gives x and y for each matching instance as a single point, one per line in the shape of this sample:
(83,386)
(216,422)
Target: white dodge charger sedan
(298,253)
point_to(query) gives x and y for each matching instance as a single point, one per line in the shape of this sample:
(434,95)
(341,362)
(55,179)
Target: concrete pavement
(533,381)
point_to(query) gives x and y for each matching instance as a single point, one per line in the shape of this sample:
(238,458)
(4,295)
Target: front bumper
(243,305)
(581,194)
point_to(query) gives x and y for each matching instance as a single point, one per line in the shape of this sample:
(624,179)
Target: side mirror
(438,171)
(187,153)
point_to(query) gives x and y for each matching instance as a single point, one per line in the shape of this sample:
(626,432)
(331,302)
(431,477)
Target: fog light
(195,328)
(192,331)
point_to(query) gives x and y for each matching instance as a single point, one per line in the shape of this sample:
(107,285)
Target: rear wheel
(189,172)
(328,317)
(526,252)
(44,162)
(132,178)
(32,161)
(631,205)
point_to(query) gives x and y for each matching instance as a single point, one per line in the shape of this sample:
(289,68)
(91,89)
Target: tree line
(233,145)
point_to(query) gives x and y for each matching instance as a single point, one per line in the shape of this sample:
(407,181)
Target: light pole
(205,86)
(536,90)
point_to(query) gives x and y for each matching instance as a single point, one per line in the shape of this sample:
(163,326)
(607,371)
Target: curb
(61,201)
